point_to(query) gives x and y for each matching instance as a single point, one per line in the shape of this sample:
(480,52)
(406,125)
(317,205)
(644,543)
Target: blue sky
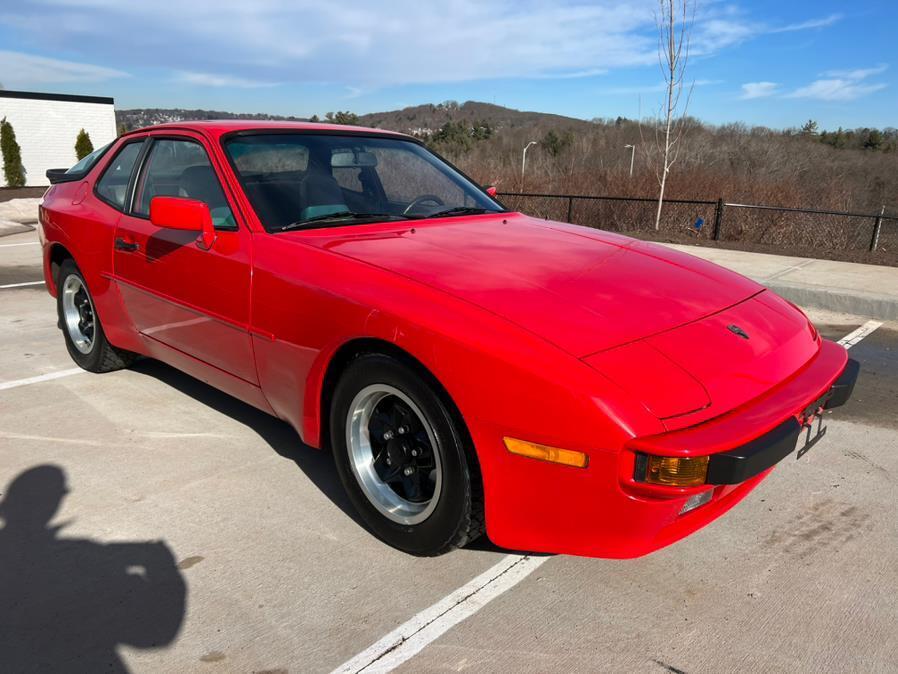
(774,63)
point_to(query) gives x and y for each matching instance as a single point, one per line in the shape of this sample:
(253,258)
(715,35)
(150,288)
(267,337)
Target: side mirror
(185,214)
(491,190)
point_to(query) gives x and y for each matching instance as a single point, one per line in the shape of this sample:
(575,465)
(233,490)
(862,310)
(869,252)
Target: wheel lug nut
(408,470)
(388,435)
(401,430)
(414,452)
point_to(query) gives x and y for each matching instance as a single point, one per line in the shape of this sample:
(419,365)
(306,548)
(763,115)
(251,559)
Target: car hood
(582,289)
(697,371)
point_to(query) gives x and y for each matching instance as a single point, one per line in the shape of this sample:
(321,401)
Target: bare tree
(674,20)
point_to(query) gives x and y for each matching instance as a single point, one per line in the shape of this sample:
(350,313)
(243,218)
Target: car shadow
(317,465)
(66,604)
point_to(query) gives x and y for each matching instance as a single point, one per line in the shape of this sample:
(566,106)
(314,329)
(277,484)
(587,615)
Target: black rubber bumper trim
(743,463)
(844,386)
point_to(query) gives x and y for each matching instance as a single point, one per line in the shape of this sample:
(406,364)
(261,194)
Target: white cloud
(759,89)
(835,90)
(355,43)
(858,74)
(810,24)
(367,45)
(842,85)
(27,70)
(211,80)
(725,26)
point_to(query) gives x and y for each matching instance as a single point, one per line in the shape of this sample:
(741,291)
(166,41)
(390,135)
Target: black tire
(457,517)
(101,355)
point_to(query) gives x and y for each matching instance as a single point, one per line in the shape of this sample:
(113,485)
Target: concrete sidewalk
(17,214)
(19,210)
(864,289)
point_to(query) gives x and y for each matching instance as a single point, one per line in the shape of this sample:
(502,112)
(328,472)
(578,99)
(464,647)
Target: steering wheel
(423,199)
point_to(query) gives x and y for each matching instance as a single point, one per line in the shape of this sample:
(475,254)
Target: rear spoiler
(62,175)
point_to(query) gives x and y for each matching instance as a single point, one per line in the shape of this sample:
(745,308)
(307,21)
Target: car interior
(324,187)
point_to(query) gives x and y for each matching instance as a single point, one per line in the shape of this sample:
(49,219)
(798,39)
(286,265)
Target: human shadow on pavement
(66,604)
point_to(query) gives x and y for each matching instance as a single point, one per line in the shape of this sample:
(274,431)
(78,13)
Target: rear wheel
(406,465)
(84,337)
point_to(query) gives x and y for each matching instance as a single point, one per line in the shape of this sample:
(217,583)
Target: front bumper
(762,453)
(602,511)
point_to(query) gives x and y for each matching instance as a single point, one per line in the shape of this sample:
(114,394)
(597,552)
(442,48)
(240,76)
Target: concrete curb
(19,210)
(7,228)
(841,301)
(844,287)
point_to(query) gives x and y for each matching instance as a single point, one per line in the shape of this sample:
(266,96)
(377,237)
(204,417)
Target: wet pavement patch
(875,398)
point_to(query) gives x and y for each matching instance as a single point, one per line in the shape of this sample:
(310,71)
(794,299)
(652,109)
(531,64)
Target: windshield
(302,180)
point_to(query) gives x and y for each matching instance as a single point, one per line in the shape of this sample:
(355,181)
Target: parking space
(256,562)
(19,259)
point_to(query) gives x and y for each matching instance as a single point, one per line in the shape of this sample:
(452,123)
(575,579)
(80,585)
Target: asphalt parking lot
(194,533)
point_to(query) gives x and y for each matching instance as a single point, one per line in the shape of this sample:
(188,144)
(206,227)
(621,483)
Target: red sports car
(562,388)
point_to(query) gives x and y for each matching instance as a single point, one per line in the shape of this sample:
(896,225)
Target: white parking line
(853,338)
(13,245)
(59,374)
(22,285)
(411,637)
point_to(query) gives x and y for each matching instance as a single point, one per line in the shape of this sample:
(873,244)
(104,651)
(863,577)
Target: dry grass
(737,164)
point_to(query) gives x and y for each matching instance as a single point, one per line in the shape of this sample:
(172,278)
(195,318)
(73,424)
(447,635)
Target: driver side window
(181,168)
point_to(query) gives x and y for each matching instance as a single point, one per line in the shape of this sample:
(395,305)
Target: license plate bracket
(810,441)
(811,414)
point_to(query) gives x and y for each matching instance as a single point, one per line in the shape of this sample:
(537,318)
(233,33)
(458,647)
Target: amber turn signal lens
(673,471)
(568,457)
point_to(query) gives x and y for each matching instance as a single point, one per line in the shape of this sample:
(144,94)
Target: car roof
(220,127)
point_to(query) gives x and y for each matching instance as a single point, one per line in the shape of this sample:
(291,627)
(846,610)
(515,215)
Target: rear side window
(181,168)
(112,187)
(87,163)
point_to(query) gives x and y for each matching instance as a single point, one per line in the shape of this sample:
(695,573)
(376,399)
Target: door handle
(127,246)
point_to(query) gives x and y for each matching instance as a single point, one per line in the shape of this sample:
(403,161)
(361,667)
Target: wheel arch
(56,255)
(357,347)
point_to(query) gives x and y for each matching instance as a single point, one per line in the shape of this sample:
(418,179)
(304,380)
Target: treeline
(846,169)
(876,140)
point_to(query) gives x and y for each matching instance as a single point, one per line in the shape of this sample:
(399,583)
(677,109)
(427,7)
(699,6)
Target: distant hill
(137,118)
(423,119)
(419,119)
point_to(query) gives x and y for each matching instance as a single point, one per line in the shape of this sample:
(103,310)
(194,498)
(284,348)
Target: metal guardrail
(720,207)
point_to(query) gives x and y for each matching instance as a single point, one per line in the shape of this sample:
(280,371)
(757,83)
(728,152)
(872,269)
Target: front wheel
(84,337)
(405,464)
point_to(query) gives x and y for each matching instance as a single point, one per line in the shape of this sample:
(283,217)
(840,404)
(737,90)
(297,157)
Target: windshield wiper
(339,216)
(459,210)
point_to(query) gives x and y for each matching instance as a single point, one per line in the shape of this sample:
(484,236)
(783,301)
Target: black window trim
(389,135)
(108,165)
(142,166)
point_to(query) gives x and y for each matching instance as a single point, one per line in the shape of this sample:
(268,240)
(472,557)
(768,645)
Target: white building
(47,126)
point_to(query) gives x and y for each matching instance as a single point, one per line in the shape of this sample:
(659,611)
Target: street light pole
(632,149)
(524,161)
